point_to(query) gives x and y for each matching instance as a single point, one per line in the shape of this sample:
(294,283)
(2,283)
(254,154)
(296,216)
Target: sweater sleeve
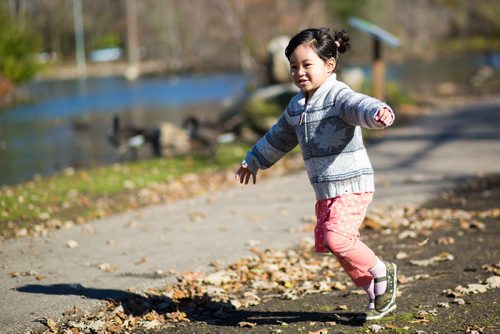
(278,141)
(357,109)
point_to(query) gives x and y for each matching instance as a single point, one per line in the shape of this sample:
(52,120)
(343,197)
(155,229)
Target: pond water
(68,122)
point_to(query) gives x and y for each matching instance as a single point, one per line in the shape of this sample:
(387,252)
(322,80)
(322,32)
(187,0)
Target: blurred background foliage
(18,46)
(233,34)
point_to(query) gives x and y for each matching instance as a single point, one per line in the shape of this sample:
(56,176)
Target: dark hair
(321,41)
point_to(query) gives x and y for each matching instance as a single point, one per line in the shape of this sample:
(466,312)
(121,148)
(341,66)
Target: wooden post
(379,35)
(378,69)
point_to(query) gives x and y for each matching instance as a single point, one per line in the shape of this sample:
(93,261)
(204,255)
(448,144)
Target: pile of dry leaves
(208,297)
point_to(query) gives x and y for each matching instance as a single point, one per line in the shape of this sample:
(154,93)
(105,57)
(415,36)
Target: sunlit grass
(77,191)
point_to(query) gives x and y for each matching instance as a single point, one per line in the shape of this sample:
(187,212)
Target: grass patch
(399,317)
(80,195)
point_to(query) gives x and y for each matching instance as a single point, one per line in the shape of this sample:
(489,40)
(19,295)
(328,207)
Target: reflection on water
(68,126)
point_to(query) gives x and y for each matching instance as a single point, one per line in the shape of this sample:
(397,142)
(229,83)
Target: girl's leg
(370,292)
(343,217)
(379,270)
(355,257)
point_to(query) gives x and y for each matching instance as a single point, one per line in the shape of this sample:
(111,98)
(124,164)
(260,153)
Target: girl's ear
(330,65)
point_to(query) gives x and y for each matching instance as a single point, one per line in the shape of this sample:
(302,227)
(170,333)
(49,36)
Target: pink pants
(337,231)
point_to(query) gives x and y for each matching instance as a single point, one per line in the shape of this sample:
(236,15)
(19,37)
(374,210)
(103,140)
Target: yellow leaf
(51,324)
(247,324)
(321,331)
(423,242)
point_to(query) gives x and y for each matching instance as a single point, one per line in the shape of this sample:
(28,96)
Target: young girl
(325,119)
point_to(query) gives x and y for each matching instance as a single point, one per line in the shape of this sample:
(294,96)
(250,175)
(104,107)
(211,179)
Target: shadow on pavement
(200,308)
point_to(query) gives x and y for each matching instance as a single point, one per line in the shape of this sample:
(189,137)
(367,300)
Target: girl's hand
(243,174)
(384,116)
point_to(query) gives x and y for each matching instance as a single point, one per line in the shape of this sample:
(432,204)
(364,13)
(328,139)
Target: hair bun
(342,41)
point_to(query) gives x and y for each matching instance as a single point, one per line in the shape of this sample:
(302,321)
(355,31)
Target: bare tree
(232,14)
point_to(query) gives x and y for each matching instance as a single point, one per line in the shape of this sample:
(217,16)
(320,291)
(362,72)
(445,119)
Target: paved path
(412,163)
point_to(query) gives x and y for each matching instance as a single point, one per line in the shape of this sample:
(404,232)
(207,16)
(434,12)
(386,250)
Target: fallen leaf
(407,279)
(473,329)
(151,324)
(375,328)
(493,282)
(445,256)
(258,217)
(218,278)
(23,273)
(423,315)
(401,255)
(419,321)
(89,229)
(466,224)
(196,216)
(472,289)
(339,286)
(321,331)
(423,242)
(494,268)
(247,324)
(446,241)
(177,316)
(72,244)
(51,324)
(107,267)
(371,223)
(21,232)
(407,234)
(96,325)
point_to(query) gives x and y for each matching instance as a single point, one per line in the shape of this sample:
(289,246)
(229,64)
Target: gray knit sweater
(328,131)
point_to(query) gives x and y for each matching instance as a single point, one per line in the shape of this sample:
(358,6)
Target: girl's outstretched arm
(357,109)
(243,174)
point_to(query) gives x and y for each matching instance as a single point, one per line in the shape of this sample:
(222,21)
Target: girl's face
(308,70)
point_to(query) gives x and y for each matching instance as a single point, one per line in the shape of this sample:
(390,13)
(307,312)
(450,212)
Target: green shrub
(107,41)
(17,51)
